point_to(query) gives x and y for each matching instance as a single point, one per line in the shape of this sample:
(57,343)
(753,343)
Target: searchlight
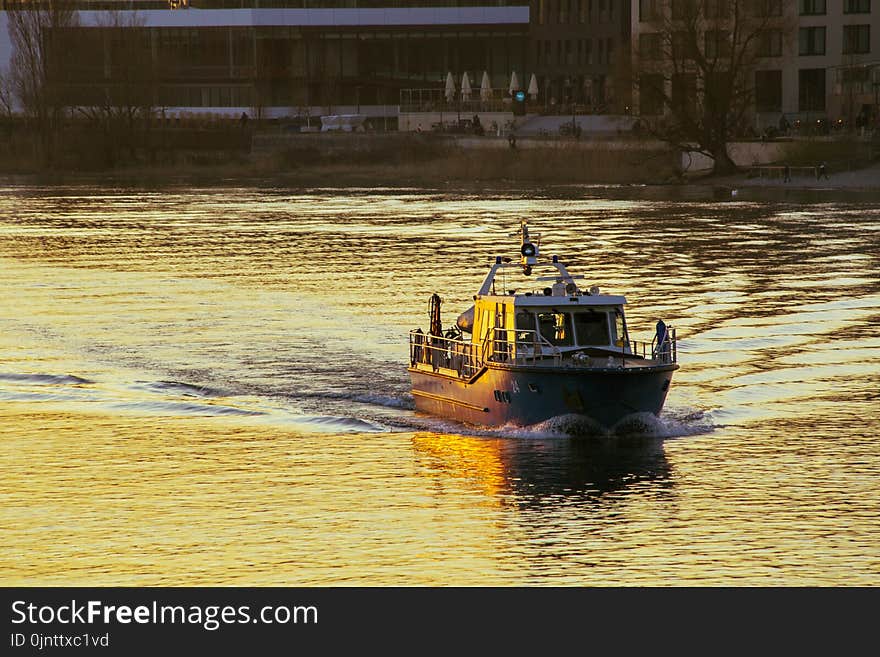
(529,250)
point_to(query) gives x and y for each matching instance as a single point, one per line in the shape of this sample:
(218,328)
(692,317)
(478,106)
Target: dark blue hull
(524,395)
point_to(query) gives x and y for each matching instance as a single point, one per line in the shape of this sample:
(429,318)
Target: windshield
(556,328)
(566,329)
(592,328)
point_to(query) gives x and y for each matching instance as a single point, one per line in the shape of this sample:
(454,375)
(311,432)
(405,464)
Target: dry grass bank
(437,161)
(390,159)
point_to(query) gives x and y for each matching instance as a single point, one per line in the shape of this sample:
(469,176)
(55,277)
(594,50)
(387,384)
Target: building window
(717,44)
(811,41)
(650,46)
(766,8)
(561,15)
(682,46)
(558,53)
(717,9)
(649,10)
(542,6)
(651,95)
(811,90)
(856,39)
(582,9)
(589,50)
(770,43)
(684,93)
(768,91)
(812,7)
(855,80)
(682,9)
(568,53)
(857,7)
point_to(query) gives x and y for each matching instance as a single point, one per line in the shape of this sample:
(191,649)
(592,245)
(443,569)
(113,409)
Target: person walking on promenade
(822,171)
(786,173)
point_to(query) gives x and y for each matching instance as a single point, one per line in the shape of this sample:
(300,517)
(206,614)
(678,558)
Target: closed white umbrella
(533,87)
(465,86)
(514,84)
(449,92)
(485,87)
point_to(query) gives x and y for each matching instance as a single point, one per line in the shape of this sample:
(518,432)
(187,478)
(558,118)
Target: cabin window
(556,328)
(619,329)
(592,328)
(525,322)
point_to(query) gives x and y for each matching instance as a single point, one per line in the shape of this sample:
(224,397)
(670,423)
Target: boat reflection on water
(528,470)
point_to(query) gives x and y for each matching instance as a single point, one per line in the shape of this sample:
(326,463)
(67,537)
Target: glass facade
(284,66)
(811,90)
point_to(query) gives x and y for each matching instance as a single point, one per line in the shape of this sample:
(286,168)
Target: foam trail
(681,422)
(48,379)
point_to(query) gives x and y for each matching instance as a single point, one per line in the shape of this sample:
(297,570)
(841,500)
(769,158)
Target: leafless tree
(34,30)
(7,107)
(6,95)
(122,104)
(695,64)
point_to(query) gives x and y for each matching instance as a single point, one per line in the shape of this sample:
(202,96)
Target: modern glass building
(284,58)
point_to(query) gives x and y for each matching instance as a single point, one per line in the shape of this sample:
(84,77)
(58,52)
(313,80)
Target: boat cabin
(531,325)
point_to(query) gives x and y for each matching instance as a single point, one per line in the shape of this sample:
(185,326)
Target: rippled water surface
(208,386)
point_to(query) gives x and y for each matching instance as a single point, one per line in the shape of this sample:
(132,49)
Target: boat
(525,357)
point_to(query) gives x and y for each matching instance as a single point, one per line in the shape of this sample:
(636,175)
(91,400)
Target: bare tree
(695,69)
(34,29)
(7,104)
(122,104)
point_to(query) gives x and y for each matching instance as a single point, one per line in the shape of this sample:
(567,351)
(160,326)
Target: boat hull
(524,395)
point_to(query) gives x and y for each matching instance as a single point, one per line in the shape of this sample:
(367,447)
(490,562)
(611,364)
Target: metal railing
(512,346)
(467,358)
(434,100)
(667,350)
(528,347)
(447,353)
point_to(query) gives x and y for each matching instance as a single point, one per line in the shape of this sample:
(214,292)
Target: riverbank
(396,160)
(864,179)
(341,160)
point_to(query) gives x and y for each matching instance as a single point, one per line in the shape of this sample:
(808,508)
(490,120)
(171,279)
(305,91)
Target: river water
(208,386)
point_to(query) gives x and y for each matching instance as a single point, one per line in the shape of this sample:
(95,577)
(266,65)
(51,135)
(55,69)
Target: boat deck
(464,360)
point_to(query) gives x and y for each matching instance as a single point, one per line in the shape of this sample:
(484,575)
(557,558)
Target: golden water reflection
(207,386)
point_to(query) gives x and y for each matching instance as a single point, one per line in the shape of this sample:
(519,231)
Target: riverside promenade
(865,179)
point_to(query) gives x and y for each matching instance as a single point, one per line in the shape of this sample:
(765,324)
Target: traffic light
(519,103)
